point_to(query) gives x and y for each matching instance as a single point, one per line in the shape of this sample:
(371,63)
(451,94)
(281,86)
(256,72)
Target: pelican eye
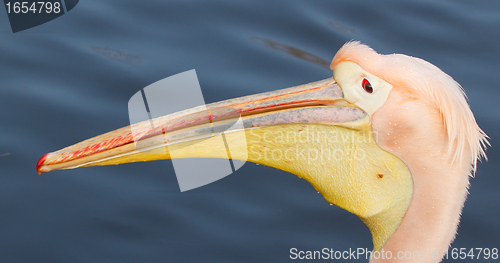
(367,86)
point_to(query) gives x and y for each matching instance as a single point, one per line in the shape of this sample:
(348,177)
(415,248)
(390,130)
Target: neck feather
(440,187)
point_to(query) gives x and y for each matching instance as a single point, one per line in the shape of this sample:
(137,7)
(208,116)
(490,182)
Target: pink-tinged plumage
(426,122)
(419,79)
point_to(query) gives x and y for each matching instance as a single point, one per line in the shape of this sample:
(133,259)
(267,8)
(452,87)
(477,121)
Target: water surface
(71,78)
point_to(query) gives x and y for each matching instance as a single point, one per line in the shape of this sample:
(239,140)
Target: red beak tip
(40,163)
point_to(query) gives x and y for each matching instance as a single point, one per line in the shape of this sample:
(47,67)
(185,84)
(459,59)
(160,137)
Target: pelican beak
(308,130)
(318,102)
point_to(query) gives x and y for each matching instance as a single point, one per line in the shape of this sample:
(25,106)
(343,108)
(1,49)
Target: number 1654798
(34,8)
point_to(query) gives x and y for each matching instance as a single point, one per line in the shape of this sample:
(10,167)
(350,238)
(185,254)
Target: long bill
(319,102)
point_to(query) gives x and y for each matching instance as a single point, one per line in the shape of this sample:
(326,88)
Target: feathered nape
(425,81)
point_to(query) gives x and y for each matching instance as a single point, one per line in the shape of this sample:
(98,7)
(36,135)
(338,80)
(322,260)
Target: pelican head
(389,138)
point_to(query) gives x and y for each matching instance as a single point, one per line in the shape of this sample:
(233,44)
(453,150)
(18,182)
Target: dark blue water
(71,78)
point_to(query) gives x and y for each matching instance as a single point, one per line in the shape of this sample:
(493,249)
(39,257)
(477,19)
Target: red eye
(367,86)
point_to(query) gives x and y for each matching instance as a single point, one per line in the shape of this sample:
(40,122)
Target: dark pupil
(367,86)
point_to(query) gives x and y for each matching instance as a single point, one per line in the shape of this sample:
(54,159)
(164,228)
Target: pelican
(393,137)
